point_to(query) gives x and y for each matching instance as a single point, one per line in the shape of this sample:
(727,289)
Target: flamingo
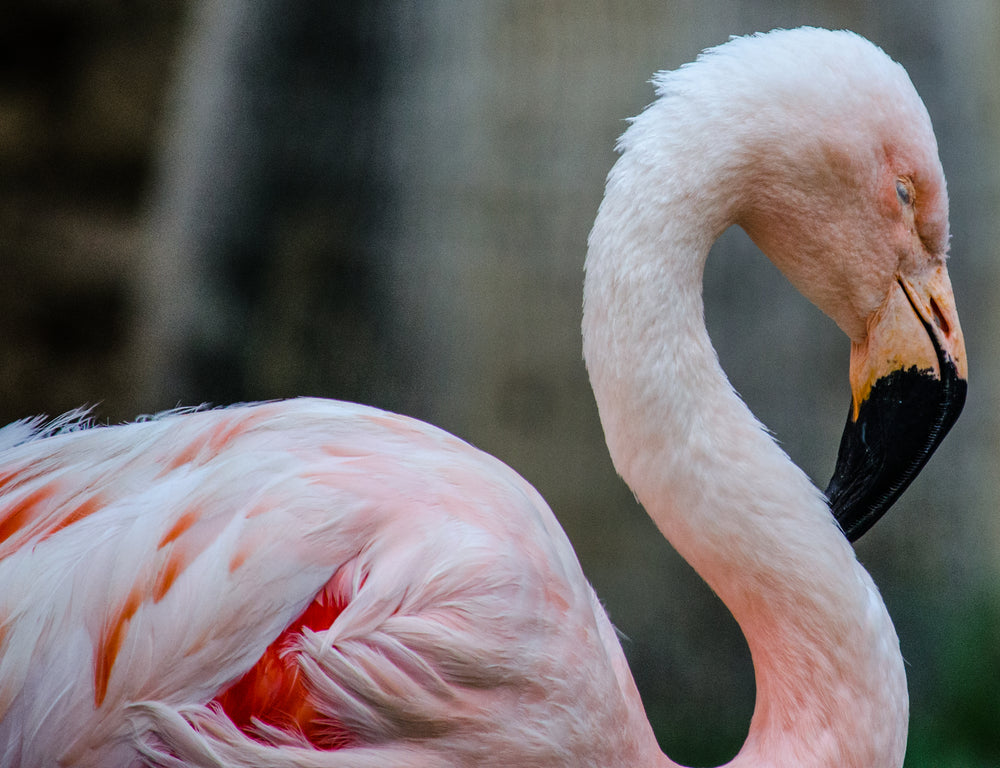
(317,583)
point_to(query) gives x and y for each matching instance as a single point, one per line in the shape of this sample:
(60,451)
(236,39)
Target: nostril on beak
(939,319)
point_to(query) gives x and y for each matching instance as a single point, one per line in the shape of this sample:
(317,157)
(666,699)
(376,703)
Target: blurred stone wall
(263,275)
(389,202)
(81,101)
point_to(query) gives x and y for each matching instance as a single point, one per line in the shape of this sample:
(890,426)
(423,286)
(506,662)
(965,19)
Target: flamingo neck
(831,689)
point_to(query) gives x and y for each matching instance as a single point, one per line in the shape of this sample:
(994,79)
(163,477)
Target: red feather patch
(273,690)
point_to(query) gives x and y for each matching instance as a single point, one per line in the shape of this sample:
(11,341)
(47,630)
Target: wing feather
(146,568)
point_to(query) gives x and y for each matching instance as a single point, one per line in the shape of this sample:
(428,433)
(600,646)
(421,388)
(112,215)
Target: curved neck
(831,689)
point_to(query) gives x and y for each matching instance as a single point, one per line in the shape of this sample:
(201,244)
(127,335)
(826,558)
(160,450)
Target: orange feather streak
(83,509)
(184,522)
(19,516)
(111,642)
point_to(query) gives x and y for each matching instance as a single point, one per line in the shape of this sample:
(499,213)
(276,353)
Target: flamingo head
(844,191)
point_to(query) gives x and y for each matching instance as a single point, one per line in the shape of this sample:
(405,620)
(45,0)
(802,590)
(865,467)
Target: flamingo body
(312,583)
(447,575)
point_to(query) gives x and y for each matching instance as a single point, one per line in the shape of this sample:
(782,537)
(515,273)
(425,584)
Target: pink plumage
(452,592)
(314,583)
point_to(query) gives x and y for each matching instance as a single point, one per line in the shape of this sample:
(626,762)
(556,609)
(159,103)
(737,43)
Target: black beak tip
(898,427)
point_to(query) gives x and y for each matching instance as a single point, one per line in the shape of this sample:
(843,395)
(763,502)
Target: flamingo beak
(908,386)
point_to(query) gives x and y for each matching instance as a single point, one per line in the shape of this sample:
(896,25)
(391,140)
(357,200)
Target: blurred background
(219,201)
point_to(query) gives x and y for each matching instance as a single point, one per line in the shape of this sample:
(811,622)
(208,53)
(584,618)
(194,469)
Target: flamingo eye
(903,192)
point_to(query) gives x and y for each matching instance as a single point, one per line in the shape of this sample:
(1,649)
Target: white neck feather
(831,689)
